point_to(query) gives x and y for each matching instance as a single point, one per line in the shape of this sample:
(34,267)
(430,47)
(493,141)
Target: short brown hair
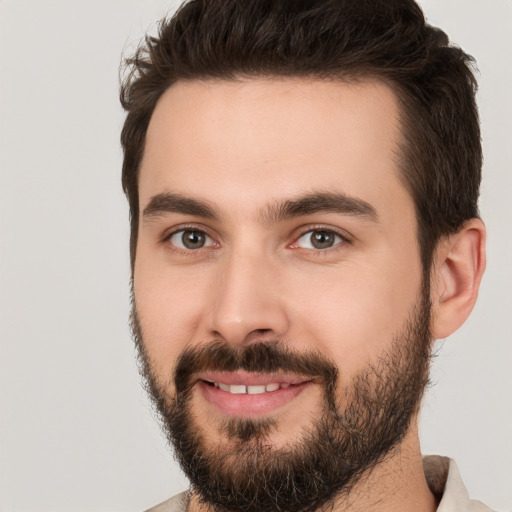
(327,39)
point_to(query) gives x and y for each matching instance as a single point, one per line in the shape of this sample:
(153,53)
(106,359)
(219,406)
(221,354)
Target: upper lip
(252,379)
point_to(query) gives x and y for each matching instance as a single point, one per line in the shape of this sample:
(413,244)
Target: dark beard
(354,433)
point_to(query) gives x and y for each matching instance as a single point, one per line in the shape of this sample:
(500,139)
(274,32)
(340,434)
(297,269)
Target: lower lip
(250,405)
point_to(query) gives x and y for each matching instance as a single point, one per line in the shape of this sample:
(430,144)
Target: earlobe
(457,272)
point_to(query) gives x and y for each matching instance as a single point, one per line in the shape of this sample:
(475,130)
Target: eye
(190,239)
(319,239)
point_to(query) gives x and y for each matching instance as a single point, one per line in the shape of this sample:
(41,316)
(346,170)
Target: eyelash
(310,229)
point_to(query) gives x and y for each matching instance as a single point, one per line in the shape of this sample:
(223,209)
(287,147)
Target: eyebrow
(177,203)
(315,202)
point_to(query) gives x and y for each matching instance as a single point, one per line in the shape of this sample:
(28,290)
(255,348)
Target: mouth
(243,394)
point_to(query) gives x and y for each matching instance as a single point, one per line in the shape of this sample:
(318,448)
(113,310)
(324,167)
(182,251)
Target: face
(278,283)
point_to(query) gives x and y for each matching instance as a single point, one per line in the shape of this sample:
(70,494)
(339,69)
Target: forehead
(246,142)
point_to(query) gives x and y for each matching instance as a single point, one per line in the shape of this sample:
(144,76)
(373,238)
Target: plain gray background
(76,432)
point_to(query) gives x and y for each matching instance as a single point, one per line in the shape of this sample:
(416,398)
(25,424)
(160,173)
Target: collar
(444,481)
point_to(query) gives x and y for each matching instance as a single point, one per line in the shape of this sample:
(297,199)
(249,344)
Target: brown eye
(190,239)
(319,239)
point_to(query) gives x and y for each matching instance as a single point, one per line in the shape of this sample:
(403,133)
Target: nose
(248,303)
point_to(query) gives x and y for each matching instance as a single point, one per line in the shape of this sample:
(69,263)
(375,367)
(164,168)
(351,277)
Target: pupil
(193,239)
(322,239)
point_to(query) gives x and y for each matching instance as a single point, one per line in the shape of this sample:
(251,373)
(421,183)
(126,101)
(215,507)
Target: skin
(242,147)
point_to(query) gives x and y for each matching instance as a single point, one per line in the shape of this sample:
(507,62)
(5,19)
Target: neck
(396,484)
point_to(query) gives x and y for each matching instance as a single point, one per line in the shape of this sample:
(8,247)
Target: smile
(250,394)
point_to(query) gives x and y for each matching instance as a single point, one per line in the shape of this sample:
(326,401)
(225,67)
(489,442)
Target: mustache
(261,357)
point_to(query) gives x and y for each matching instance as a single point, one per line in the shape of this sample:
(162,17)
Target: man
(303,181)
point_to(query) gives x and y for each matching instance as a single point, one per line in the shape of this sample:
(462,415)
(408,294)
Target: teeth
(255,390)
(238,389)
(241,389)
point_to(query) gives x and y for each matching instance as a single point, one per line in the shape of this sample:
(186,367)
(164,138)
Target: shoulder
(177,503)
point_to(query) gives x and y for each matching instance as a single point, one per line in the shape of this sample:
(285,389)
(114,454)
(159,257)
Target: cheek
(352,314)
(170,304)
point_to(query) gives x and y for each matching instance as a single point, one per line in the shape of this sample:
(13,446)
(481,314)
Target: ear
(457,271)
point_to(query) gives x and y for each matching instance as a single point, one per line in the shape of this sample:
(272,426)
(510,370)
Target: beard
(355,431)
